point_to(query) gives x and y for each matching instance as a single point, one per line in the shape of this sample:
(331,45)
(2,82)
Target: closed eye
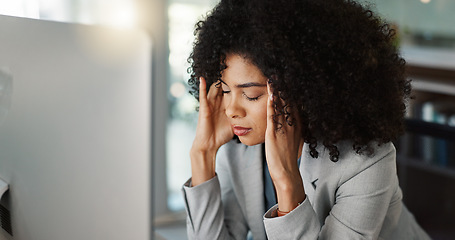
(252,98)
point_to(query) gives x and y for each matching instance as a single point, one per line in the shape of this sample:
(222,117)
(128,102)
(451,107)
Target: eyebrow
(247,85)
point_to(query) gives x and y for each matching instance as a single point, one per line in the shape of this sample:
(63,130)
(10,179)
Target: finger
(203,93)
(270,110)
(287,115)
(214,91)
(279,111)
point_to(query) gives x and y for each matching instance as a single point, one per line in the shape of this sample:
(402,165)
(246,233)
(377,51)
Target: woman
(315,93)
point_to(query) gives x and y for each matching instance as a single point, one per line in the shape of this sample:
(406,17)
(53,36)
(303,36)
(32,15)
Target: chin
(251,142)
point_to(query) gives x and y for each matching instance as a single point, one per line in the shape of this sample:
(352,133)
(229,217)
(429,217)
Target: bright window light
(114,13)
(20,8)
(121,14)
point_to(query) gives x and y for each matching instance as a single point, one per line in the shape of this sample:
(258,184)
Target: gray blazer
(357,197)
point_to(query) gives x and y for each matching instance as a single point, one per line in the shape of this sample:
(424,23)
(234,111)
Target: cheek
(261,115)
(225,101)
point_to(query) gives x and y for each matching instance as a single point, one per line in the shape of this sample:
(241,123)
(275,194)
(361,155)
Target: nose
(234,108)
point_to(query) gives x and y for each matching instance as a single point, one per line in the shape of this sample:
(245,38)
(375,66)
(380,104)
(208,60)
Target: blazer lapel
(309,170)
(253,186)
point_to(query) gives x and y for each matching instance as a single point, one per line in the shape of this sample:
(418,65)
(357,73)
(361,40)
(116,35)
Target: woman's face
(245,99)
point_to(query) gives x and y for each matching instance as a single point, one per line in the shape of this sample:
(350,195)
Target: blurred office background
(425,35)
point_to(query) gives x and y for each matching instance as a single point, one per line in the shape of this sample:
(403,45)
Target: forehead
(240,70)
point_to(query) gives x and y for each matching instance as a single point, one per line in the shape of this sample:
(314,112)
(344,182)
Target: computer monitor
(75,133)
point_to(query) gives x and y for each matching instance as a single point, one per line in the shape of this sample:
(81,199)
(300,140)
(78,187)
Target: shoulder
(381,161)
(380,153)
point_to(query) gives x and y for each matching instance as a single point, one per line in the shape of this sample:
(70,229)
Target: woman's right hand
(212,131)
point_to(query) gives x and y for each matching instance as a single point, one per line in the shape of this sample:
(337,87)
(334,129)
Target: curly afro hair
(333,60)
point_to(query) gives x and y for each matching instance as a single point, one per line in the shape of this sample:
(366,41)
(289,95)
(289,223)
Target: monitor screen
(75,131)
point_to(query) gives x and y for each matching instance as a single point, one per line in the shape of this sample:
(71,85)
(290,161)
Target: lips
(240,131)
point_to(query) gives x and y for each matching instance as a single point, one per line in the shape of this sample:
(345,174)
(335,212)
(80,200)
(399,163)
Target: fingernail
(271,97)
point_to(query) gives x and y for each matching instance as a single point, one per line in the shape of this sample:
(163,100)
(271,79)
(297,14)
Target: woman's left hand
(282,148)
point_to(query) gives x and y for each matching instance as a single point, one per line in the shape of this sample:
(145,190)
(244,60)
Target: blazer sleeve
(212,215)
(300,223)
(361,203)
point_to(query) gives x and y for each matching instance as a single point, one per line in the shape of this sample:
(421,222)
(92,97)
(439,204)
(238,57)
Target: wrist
(290,195)
(203,148)
(202,166)
(280,213)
